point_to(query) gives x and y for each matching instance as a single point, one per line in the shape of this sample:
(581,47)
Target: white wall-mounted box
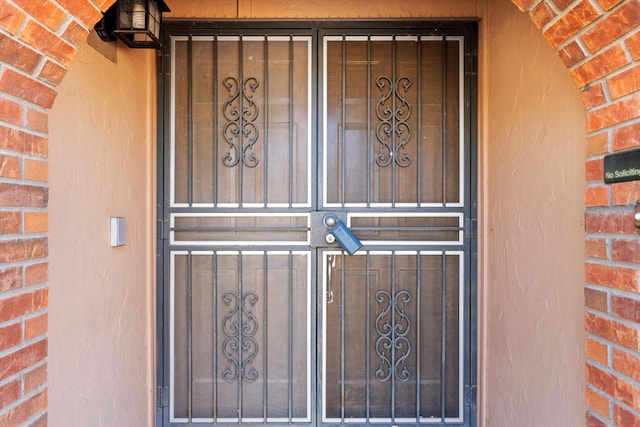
(118,231)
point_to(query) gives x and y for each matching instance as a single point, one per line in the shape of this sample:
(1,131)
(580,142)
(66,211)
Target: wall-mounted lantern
(135,22)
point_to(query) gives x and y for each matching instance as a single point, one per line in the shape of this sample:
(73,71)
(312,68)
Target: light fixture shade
(138,22)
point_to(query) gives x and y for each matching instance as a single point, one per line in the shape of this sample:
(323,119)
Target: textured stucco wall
(101,356)
(323,9)
(532,240)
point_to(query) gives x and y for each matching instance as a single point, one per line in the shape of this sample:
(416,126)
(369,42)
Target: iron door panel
(268,321)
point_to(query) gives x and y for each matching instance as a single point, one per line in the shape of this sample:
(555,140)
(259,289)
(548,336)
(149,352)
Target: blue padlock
(343,235)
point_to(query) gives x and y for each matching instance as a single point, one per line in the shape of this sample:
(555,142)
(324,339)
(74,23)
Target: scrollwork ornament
(392,345)
(393,131)
(241,111)
(240,346)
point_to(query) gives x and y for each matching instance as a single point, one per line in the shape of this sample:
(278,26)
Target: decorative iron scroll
(241,112)
(393,132)
(392,344)
(240,347)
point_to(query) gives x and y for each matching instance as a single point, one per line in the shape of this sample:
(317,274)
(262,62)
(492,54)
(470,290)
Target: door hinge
(472,405)
(162,229)
(472,397)
(473,66)
(162,397)
(471,226)
(162,58)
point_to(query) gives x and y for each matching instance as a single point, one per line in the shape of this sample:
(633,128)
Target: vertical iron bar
(240,332)
(368,163)
(342,307)
(368,345)
(291,178)
(215,120)
(444,120)
(418,323)
(393,122)
(265,136)
(443,355)
(190,118)
(343,132)
(265,390)
(419,121)
(240,121)
(215,336)
(290,366)
(190,336)
(393,333)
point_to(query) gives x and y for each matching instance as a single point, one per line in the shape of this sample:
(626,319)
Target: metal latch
(337,230)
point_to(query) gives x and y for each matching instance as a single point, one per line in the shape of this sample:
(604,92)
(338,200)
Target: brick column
(600,45)
(38,41)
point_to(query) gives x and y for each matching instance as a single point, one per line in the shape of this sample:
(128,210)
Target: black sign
(621,167)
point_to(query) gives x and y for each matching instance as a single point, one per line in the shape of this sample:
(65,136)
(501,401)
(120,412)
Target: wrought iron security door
(268,320)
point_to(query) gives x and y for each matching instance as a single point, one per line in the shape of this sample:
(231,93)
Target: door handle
(338,230)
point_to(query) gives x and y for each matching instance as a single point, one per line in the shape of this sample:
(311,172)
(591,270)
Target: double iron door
(266,319)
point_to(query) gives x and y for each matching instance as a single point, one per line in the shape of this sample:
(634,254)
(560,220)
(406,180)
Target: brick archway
(598,41)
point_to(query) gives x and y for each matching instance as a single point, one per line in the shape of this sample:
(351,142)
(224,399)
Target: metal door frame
(317,29)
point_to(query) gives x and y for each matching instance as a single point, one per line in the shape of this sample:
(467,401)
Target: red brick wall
(599,42)
(38,41)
